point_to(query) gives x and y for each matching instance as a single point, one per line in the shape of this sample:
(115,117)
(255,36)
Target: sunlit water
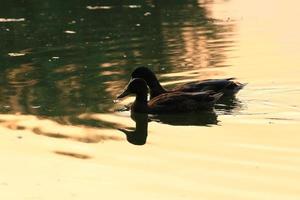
(62,63)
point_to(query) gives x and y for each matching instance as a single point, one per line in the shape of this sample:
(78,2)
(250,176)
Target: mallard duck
(228,86)
(168,102)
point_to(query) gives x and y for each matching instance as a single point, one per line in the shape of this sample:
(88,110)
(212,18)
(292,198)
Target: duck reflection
(204,118)
(228,105)
(137,136)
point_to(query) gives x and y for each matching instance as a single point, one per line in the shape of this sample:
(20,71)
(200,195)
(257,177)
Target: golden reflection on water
(50,128)
(267,54)
(194,44)
(234,160)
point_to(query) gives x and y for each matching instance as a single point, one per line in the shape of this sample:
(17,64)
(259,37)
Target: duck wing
(227,86)
(183,101)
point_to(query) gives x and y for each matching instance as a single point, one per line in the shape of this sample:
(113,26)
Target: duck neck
(140,103)
(156,88)
(141,97)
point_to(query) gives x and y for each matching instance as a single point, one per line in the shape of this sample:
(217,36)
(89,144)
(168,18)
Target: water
(71,58)
(62,64)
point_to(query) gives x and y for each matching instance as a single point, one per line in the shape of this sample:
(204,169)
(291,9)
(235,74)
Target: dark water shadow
(58,73)
(89,138)
(74,155)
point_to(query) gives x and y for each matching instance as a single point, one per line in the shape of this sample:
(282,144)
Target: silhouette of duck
(168,102)
(137,136)
(228,86)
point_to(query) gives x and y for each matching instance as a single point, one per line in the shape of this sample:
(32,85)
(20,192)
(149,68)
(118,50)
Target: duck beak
(125,93)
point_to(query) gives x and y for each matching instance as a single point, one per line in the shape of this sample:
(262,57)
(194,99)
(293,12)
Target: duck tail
(231,79)
(217,96)
(233,87)
(240,86)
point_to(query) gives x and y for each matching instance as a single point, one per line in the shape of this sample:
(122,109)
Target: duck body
(183,102)
(172,102)
(228,86)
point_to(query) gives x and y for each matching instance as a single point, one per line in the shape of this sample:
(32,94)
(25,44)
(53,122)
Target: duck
(227,86)
(172,102)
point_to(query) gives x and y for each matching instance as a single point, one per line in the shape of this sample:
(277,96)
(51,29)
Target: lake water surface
(62,64)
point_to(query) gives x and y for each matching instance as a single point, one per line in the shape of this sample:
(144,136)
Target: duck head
(144,73)
(136,86)
(151,80)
